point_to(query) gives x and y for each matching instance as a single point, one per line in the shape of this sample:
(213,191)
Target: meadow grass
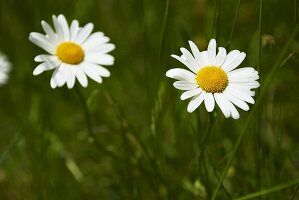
(131,137)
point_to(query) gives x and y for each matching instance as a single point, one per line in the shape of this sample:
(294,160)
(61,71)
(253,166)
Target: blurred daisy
(5,67)
(73,52)
(213,77)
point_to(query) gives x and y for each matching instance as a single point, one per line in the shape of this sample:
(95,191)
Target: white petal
(196,101)
(81,76)
(184,85)
(184,61)
(102,71)
(63,74)
(221,56)
(64,27)
(231,56)
(59,76)
(74,30)
(232,109)
(244,71)
(221,103)
(181,74)
(101,59)
(45,58)
(43,42)
(251,84)
(238,77)
(43,67)
(209,102)
(243,88)
(84,33)
(53,81)
(190,93)
(212,51)
(102,48)
(197,54)
(205,57)
(241,104)
(71,78)
(94,40)
(91,73)
(228,66)
(49,31)
(193,65)
(240,94)
(58,30)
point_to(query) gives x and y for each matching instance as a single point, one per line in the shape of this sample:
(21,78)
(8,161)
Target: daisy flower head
(73,52)
(213,77)
(5,67)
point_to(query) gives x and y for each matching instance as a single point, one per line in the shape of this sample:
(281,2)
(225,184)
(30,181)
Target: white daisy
(74,52)
(213,77)
(5,67)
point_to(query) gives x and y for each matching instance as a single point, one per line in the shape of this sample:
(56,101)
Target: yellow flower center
(212,79)
(71,53)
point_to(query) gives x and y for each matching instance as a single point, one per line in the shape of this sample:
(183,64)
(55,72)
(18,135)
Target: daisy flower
(213,77)
(5,67)
(73,52)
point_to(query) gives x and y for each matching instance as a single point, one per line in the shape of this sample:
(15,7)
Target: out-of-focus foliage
(148,140)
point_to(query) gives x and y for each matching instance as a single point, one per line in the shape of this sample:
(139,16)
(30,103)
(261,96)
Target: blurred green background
(146,140)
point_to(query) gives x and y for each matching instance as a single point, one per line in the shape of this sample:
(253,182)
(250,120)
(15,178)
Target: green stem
(205,137)
(270,190)
(217,177)
(216,20)
(89,125)
(234,24)
(202,144)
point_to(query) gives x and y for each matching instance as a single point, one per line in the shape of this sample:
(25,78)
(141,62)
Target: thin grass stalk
(162,36)
(259,142)
(270,190)
(217,177)
(296,14)
(234,24)
(216,19)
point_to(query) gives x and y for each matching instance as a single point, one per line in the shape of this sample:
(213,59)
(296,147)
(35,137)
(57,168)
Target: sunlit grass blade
(270,190)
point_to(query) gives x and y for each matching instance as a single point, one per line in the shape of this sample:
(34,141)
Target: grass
(131,137)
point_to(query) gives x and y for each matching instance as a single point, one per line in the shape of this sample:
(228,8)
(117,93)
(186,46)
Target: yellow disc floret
(212,79)
(71,53)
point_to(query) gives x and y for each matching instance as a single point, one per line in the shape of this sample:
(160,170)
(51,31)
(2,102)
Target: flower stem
(89,125)
(205,137)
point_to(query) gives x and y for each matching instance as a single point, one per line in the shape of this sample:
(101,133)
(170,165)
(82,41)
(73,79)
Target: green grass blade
(234,24)
(270,190)
(259,111)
